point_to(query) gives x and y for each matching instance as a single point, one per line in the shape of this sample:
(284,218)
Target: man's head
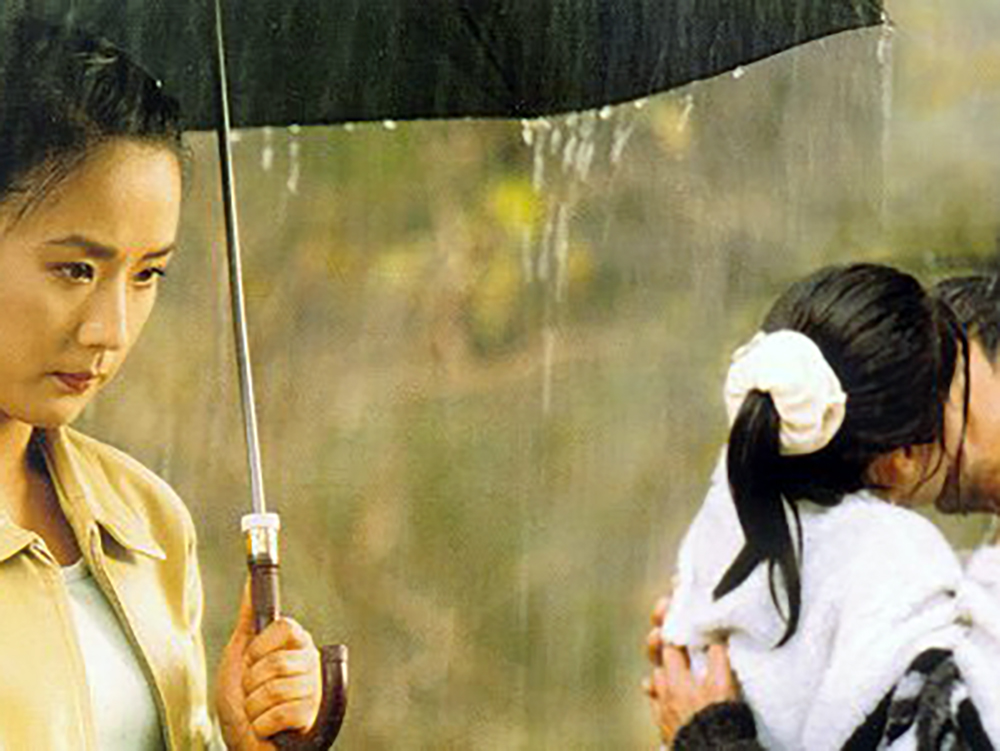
(976,302)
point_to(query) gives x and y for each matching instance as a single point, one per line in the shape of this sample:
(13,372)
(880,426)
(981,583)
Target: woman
(802,557)
(100,634)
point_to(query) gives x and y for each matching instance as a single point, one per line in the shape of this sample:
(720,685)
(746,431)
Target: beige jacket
(139,542)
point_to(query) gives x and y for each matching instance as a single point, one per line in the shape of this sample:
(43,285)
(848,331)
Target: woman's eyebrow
(100,251)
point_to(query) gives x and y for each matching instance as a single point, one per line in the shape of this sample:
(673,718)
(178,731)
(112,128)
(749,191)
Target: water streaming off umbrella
(489,357)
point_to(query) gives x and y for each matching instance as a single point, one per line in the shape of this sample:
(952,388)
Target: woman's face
(78,278)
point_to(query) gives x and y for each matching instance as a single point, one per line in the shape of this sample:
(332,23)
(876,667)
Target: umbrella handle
(265,595)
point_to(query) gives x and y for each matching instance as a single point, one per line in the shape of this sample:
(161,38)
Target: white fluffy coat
(880,584)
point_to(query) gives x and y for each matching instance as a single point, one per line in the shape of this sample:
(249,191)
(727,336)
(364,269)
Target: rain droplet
(584,158)
(561,242)
(555,141)
(267,153)
(389,124)
(542,263)
(682,121)
(527,132)
(538,162)
(585,149)
(739,72)
(884,55)
(548,355)
(884,49)
(569,152)
(620,136)
(294,169)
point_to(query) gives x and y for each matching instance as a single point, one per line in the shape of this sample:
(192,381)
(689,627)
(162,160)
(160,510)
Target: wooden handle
(265,595)
(332,708)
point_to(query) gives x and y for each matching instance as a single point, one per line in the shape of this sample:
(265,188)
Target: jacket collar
(88,497)
(13,539)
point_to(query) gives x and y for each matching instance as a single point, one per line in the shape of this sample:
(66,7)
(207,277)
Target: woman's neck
(15,469)
(27,496)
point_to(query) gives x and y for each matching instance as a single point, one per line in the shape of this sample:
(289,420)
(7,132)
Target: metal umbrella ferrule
(261,533)
(261,536)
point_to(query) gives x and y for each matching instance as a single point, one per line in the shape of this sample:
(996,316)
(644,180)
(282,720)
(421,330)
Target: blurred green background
(490,355)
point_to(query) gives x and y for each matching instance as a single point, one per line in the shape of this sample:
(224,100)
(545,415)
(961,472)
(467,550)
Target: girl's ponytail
(754,466)
(785,402)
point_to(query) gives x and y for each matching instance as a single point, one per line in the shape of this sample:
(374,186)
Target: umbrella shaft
(236,278)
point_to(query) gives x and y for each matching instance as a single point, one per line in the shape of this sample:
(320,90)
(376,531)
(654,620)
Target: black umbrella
(307,62)
(310,62)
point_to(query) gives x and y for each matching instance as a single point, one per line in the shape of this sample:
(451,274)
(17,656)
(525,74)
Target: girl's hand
(267,682)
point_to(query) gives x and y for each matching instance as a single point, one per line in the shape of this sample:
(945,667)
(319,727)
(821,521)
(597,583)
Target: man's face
(979,474)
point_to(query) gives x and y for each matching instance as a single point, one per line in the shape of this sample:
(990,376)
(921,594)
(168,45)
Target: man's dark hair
(976,303)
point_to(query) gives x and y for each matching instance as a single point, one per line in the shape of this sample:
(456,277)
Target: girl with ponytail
(804,555)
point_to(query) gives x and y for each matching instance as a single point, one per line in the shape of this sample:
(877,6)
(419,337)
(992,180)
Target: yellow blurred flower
(514,204)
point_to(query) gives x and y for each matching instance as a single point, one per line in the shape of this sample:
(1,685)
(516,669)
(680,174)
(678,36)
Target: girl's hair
(62,94)
(894,349)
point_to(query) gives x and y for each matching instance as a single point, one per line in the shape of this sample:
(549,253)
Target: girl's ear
(898,473)
(886,470)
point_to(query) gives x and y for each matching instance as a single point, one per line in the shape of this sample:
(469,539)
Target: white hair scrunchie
(806,392)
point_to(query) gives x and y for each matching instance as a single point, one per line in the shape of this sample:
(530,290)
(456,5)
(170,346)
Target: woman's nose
(105,322)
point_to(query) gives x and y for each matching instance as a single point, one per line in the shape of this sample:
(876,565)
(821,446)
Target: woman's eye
(148,276)
(76,272)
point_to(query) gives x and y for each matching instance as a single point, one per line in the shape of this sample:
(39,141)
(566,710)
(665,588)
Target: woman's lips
(76,382)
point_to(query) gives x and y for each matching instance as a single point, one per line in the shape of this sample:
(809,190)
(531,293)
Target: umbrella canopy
(308,62)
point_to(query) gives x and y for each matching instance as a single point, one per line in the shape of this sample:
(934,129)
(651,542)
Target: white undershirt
(125,715)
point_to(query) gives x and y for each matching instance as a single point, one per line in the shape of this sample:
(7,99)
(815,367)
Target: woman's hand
(267,682)
(675,695)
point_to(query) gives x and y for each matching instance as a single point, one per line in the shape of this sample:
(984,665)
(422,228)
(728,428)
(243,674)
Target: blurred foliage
(489,357)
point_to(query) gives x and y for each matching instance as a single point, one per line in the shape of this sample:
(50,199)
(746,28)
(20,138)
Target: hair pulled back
(894,349)
(976,303)
(62,94)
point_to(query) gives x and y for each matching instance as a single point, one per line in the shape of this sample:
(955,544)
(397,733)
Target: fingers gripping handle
(261,532)
(333,664)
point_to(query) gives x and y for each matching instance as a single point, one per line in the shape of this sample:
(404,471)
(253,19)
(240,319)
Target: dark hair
(894,349)
(975,300)
(63,93)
